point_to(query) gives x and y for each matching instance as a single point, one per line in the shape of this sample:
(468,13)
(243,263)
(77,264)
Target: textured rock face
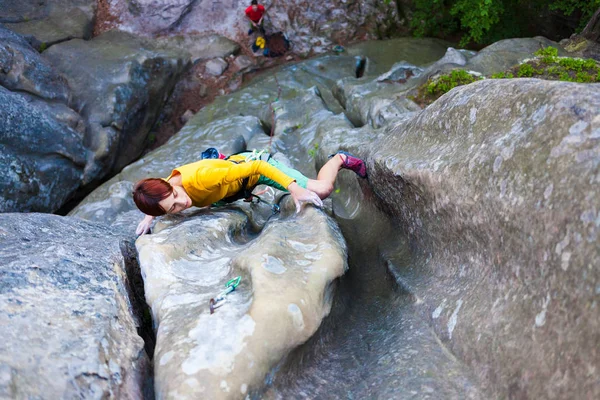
(287,273)
(309,24)
(23,69)
(65,318)
(46,22)
(500,201)
(504,54)
(39,171)
(119,85)
(486,212)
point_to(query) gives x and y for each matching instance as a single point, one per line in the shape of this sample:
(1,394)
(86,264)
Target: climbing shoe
(353,163)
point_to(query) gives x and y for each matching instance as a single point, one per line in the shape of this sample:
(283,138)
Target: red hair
(148,192)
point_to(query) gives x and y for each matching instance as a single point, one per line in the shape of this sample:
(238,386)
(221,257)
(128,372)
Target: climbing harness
(245,192)
(218,301)
(257,155)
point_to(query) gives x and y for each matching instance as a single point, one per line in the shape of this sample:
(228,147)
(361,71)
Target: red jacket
(255,16)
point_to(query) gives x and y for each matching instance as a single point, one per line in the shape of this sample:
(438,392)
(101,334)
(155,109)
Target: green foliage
(584,77)
(547,51)
(526,70)
(550,66)
(577,64)
(43,46)
(433,18)
(502,75)
(477,18)
(548,54)
(313,152)
(568,7)
(486,21)
(445,83)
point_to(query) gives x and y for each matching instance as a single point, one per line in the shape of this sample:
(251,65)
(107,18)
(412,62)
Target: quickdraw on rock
(274,207)
(218,301)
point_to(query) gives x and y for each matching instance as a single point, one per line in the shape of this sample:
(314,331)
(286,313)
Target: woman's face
(176,201)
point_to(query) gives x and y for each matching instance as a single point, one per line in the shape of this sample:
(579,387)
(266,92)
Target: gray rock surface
(504,54)
(40,172)
(119,85)
(474,239)
(23,69)
(46,22)
(65,317)
(198,47)
(227,354)
(499,201)
(216,66)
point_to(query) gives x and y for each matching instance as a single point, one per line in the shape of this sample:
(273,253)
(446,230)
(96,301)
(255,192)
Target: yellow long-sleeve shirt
(208,181)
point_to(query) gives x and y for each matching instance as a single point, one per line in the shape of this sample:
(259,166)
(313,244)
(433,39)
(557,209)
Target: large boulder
(286,290)
(23,69)
(46,22)
(119,85)
(502,55)
(66,318)
(499,203)
(43,158)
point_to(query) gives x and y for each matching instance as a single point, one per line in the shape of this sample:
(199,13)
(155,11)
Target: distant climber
(255,13)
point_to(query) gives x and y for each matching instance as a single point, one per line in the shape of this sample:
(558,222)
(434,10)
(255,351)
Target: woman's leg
(323,185)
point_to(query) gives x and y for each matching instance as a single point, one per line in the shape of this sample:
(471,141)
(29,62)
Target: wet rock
(216,66)
(381,100)
(65,317)
(43,156)
(384,54)
(227,354)
(498,201)
(47,22)
(119,85)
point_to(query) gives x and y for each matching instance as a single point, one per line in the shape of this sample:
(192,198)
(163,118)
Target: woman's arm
(301,195)
(144,226)
(236,172)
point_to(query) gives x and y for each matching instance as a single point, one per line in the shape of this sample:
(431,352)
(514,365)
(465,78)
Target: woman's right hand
(144,226)
(301,195)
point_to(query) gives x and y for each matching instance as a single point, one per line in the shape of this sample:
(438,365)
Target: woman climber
(208,181)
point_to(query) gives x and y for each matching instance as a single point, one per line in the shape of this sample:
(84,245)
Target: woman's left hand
(301,195)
